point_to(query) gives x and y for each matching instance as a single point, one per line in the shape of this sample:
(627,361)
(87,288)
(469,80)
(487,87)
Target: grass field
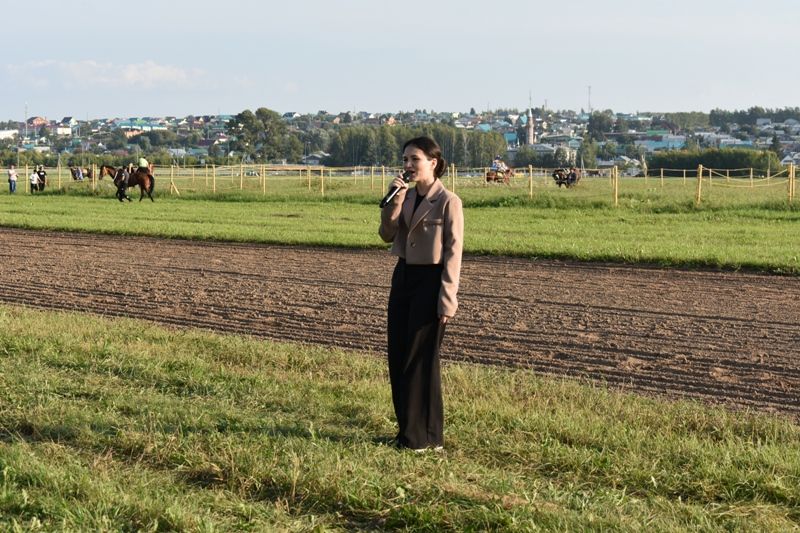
(109,425)
(734,227)
(113,425)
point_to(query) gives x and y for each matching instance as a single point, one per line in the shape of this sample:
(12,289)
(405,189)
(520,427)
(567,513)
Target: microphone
(394,190)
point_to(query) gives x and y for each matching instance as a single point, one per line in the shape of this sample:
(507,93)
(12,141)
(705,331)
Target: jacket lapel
(427,204)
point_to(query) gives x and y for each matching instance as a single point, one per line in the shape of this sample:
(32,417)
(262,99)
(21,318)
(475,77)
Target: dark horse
(568,178)
(140,176)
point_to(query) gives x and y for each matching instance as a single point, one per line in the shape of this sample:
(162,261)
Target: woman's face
(418,162)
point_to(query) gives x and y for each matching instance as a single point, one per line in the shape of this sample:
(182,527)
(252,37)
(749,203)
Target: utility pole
(590,99)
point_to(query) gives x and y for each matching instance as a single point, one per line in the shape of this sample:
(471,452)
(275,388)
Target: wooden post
(792,182)
(241,176)
(58,170)
(615,180)
(751,177)
(699,193)
(768,172)
(94,178)
(727,174)
(171,178)
(214,179)
(372,178)
(308,177)
(26,178)
(205,173)
(383,178)
(530,181)
(322,181)
(662,177)
(264,179)
(453,177)
(684,176)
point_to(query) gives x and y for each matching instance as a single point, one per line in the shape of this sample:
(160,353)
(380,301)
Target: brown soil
(724,337)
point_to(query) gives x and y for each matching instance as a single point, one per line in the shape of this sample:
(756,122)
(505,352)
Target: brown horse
(139,176)
(499,175)
(107,170)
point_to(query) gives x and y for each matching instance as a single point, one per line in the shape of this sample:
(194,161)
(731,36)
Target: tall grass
(118,425)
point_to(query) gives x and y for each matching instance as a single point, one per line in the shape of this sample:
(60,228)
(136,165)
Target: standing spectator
(12,179)
(42,177)
(426,228)
(34,177)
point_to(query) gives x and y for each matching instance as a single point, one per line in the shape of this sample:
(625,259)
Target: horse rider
(78,173)
(499,166)
(572,177)
(144,164)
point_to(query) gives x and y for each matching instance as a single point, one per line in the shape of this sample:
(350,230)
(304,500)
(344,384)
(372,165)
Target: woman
(426,227)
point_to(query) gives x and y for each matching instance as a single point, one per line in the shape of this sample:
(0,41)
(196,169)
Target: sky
(105,59)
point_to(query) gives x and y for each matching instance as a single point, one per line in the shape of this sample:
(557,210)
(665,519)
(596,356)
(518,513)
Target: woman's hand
(443,319)
(400,183)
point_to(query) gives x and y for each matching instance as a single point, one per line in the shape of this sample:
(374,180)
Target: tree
(776,146)
(588,153)
(600,123)
(118,140)
(259,135)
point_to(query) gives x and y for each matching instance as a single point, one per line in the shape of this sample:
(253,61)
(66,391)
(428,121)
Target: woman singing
(426,228)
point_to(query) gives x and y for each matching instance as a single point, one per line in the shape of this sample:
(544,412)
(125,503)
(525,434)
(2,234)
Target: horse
(139,176)
(568,178)
(499,175)
(79,174)
(107,170)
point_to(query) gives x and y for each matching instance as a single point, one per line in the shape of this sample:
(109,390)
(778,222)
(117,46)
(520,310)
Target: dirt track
(723,337)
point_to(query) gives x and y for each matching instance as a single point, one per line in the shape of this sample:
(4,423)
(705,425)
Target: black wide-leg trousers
(414,337)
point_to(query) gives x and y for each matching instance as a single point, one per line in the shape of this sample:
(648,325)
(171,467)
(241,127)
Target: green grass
(733,228)
(117,425)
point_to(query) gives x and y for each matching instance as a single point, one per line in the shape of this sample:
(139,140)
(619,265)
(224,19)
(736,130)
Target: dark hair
(431,149)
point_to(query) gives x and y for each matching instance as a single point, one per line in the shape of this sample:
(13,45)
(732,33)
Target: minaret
(531,133)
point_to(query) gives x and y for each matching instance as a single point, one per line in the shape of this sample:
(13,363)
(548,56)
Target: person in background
(426,228)
(42,177)
(12,179)
(34,179)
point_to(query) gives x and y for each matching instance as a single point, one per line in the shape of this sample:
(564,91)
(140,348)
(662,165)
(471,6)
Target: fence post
(308,177)
(264,179)
(58,170)
(214,179)
(727,174)
(768,173)
(372,178)
(241,176)
(684,176)
(791,182)
(699,185)
(530,181)
(322,181)
(751,177)
(615,181)
(383,178)
(453,173)
(662,177)
(94,178)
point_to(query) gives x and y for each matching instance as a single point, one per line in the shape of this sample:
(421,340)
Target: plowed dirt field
(722,337)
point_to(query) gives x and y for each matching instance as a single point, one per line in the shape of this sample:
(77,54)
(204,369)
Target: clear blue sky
(89,58)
